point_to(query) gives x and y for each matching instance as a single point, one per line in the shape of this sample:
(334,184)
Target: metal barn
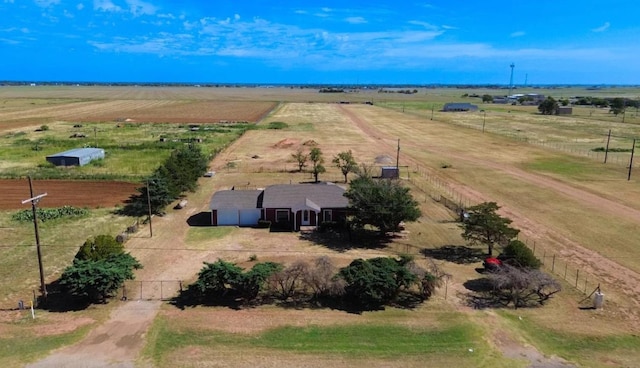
(76,157)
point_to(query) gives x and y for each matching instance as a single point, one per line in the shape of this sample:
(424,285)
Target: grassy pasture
(131,149)
(370,339)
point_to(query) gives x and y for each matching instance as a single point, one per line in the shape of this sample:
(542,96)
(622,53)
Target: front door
(306,218)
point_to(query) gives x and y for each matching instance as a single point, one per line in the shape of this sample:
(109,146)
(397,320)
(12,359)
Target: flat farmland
(577,208)
(92,194)
(156,111)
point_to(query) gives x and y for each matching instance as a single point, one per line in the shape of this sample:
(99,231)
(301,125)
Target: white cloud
(45,3)
(444,26)
(355,20)
(80,6)
(8,1)
(301,12)
(8,41)
(602,28)
(517,34)
(236,16)
(326,10)
(106,6)
(139,7)
(423,24)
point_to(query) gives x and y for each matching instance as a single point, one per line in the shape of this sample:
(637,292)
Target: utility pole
(633,149)
(398,160)
(484,119)
(34,201)
(149,207)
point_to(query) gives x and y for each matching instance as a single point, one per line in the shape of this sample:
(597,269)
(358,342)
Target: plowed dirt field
(65,192)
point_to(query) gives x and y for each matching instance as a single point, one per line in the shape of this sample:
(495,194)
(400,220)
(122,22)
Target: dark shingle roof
(238,199)
(290,195)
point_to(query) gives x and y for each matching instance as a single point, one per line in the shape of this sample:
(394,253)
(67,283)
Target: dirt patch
(285,143)
(63,325)
(60,193)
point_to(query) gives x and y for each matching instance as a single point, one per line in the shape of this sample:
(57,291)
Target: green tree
(518,254)
(487,98)
(374,282)
(549,106)
(217,279)
(617,106)
(160,197)
(253,281)
(484,226)
(183,168)
(98,280)
(381,203)
(300,158)
(100,247)
(346,163)
(317,160)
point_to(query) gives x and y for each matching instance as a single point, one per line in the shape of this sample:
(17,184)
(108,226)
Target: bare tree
(286,282)
(320,278)
(522,287)
(300,158)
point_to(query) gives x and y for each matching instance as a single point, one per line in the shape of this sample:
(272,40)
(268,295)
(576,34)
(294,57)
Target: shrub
(100,247)
(264,224)
(48,214)
(277,125)
(519,255)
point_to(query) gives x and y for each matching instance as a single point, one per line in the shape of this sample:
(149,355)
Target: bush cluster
(99,269)
(363,285)
(48,214)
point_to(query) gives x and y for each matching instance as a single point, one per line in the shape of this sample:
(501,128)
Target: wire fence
(574,274)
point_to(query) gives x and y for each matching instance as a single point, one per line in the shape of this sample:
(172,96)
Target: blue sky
(375,41)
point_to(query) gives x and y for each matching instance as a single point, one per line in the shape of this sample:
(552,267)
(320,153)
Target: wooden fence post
(553,264)
(577,274)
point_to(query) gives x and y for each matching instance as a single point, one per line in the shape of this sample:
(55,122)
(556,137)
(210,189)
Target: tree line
(178,174)
(362,285)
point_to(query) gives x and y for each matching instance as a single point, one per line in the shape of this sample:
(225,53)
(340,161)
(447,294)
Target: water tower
(511,79)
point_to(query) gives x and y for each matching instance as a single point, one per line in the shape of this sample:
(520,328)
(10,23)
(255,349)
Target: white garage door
(227,217)
(249,217)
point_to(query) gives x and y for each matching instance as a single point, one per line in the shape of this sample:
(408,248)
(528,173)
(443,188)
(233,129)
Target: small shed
(459,106)
(76,157)
(390,172)
(564,110)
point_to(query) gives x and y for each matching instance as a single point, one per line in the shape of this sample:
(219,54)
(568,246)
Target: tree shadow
(59,302)
(342,240)
(200,219)
(459,254)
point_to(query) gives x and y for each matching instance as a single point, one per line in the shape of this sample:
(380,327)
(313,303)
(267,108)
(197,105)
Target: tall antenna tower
(511,79)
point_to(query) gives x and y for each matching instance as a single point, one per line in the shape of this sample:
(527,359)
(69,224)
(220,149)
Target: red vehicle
(492,263)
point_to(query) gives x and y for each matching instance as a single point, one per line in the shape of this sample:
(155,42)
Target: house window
(328,215)
(282,215)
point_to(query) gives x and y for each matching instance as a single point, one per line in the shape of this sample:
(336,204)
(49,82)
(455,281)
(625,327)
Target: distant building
(500,100)
(76,157)
(564,110)
(459,106)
